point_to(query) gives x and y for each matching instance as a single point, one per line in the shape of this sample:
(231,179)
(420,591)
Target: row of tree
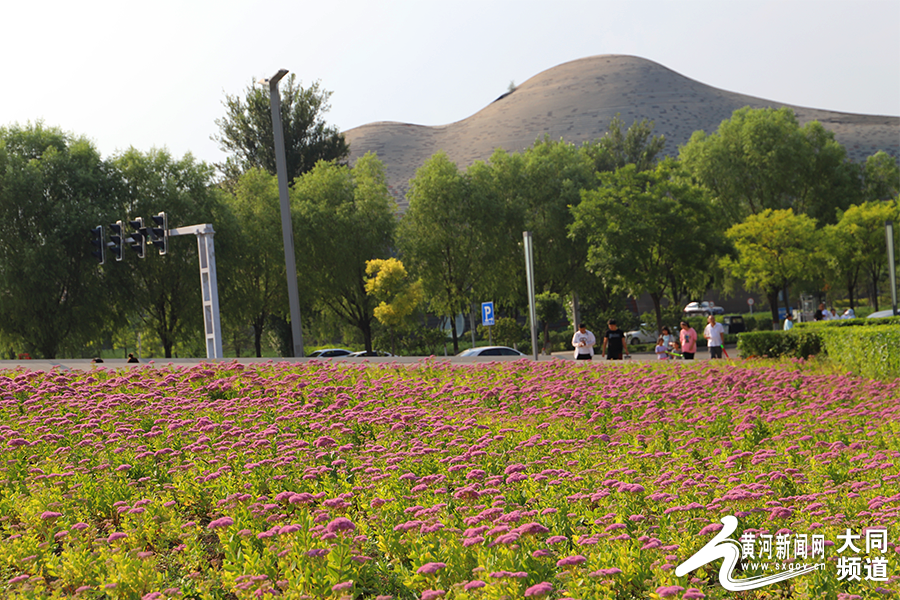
(609,219)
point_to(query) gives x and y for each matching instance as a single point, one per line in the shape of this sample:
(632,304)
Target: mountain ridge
(576,100)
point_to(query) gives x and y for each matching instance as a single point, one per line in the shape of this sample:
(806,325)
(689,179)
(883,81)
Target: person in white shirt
(715,337)
(583,341)
(789,322)
(849,314)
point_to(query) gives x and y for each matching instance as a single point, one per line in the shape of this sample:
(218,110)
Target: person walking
(688,341)
(715,337)
(583,342)
(662,351)
(614,344)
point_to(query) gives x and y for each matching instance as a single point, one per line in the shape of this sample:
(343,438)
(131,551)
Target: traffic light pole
(209,285)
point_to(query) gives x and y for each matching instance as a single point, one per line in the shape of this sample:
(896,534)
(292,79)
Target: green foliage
(761,159)
(866,347)
(257,284)
(869,352)
(245,132)
(774,248)
(399,297)
(637,146)
(504,332)
(342,219)
(641,229)
(163,290)
(54,189)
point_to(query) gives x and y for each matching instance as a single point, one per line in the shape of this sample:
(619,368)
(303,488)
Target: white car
(881,314)
(644,335)
(703,308)
(330,353)
(363,353)
(491,351)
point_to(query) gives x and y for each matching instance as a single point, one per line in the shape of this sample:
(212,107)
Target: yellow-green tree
(398,295)
(774,248)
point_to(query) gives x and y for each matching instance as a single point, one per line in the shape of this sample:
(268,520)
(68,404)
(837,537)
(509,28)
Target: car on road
(363,353)
(491,351)
(703,308)
(644,335)
(881,314)
(330,353)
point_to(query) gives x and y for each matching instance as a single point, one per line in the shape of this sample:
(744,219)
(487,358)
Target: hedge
(868,347)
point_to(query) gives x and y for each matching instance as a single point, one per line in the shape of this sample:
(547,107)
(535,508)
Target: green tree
(761,159)
(256,281)
(53,189)
(637,146)
(648,232)
(398,295)
(881,177)
(856,245)
(245,132)
(774,248)
(164,291)
(549,309)
(442,238)
(343,218)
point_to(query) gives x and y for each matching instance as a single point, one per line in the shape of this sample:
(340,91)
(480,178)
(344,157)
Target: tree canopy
(761,159)
(648,232)
(54,188)
(343,218)
(245,132)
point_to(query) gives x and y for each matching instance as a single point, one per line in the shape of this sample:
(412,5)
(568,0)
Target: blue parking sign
(487,313)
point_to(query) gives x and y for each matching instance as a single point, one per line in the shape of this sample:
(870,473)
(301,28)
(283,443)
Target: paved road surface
(84,364)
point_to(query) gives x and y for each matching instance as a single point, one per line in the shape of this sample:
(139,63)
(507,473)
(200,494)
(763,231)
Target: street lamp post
(287,230)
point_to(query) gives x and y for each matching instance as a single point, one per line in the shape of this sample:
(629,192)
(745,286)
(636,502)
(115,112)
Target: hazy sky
(155,74)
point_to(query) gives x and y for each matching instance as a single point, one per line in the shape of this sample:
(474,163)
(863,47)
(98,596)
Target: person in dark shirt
(614,344)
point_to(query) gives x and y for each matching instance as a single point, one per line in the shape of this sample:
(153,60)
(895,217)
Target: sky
(154,75)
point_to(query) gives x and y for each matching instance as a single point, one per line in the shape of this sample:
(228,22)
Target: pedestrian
(614,344)
(849,314)
(789,322)
(131,358)
(668,338)
(583,341)
(715,337)
(821,313)
(688,341)
(661,349)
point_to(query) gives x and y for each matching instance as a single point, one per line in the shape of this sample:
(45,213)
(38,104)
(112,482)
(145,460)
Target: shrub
(867,347)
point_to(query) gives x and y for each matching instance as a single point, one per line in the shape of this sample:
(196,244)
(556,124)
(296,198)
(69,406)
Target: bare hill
(576,100)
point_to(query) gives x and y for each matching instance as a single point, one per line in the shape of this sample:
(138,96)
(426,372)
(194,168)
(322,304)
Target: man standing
(715,336)
(614,341)
(583,341)
(688,341)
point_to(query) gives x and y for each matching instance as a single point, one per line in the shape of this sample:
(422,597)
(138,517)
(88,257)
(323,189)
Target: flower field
(486,481)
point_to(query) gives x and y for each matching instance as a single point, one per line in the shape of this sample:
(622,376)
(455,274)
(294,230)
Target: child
(661,350)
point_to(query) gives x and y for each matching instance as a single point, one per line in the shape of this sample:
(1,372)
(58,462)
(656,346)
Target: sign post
(487,318)
(750,304)
(529,276)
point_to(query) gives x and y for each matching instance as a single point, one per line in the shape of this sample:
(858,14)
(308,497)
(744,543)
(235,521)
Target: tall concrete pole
(287,230)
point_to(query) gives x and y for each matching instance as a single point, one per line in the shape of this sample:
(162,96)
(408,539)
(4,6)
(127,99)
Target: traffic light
(160,233)
(138,237)
(115,240)
(97,241)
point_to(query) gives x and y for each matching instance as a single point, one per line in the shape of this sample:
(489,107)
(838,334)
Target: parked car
(881,314)
(330,353)
(491,351)
(703,308)
(644,335)
(373,353)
